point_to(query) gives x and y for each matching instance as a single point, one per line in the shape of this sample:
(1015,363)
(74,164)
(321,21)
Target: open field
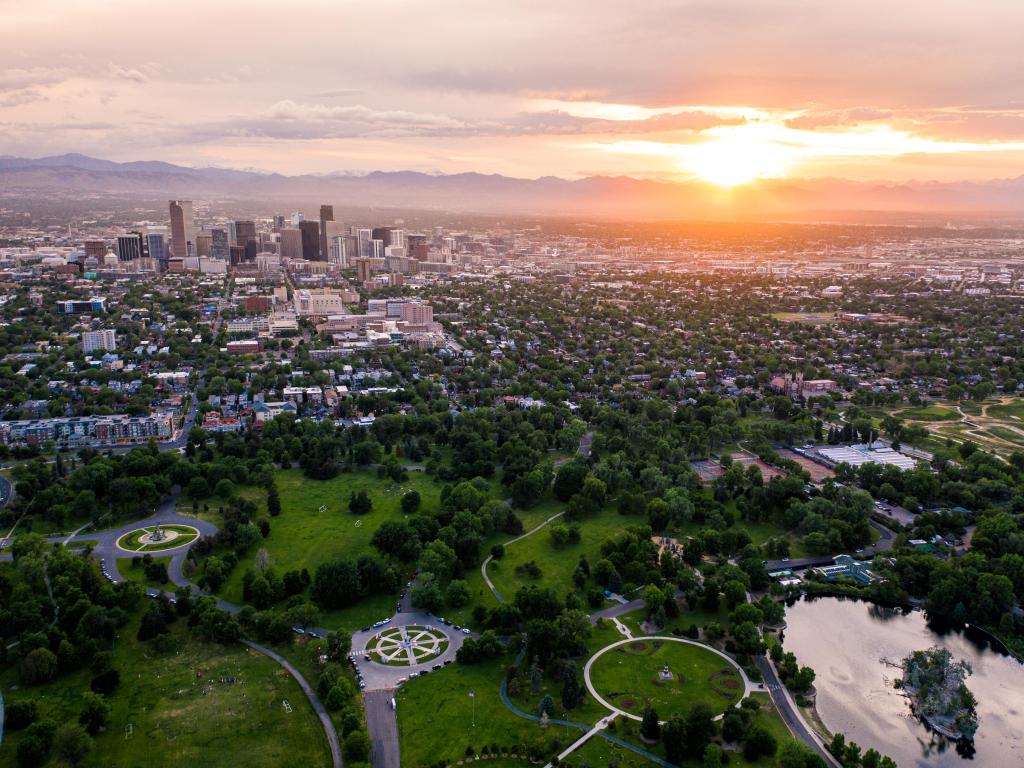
(442,697)
(929,413)
(175,708)
(633,676)
(303,537)
(556,564)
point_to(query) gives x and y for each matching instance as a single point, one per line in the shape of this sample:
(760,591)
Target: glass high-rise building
(183,229)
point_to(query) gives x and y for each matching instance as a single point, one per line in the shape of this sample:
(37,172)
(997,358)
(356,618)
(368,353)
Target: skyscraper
(183,229)
(383,234)
(310,240)
(244,232)
(129,247)
(157,249)
(219,244)
(291,243)
(326,215)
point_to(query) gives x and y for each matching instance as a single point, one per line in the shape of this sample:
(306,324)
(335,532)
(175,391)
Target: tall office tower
(236,254)
(336,251)
(278,222)
(365,243)
(326,215)
(438,234)
(251,249)
(376,249)
(291,243)
(298,218)
(157,247)
(383,234)
(244,232)
(97,249)
(310,240)
(204,241)
(416,246)
(183,229)
(232,234)
(398,238)
(219,244)
(129,247)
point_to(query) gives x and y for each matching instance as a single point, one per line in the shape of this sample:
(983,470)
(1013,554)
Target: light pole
(472,699)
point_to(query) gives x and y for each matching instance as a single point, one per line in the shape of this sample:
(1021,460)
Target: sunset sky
(721,90)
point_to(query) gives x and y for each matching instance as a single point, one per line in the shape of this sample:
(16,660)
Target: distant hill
(600,196)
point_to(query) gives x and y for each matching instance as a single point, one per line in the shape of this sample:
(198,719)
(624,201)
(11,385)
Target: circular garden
(407,646)
(666,673)
(150,539)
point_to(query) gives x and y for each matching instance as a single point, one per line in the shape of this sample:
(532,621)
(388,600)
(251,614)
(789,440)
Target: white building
(96,340)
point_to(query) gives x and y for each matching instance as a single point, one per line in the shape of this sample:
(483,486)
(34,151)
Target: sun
(734,160)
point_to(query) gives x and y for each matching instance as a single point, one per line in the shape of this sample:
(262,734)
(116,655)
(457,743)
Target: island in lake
(938,694)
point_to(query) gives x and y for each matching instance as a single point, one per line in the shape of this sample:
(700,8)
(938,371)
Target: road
(791,713)
(325,719)
(382,724)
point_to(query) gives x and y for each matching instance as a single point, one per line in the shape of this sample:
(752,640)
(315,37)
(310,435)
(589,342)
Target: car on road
(465,630)
(436,666)
(362,685)
(298,630)
(365,629)
(393,705)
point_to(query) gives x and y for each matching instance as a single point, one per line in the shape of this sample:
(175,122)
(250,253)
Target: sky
(726,91)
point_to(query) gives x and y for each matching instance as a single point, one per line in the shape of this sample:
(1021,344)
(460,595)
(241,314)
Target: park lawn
(303,537)
(1011,412)
(629,677)
(435,715)
(138,573)
(556,564)
(1006,434)
(929,413)
(179,718)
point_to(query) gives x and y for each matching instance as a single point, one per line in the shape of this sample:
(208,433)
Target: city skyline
(724,93)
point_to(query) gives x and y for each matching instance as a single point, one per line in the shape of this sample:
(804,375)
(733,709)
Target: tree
(673,735)
(569,480)
(713,756)
(71,743)
(457,594)
(39,666)
(795,754)
(759,743)
(359,503)
(95,714)
(273,501)
(700,727)
(357,747)
(410,502)
(650,729)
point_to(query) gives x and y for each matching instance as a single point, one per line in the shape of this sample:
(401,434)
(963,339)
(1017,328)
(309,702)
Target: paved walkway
(325,719)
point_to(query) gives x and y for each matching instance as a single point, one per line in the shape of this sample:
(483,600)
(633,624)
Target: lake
(847,642)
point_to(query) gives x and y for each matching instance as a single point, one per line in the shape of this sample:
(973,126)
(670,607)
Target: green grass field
(556,564)
(303,537)
(177,708)
(435,715)
(629,677)
(1012,411)
(929,413)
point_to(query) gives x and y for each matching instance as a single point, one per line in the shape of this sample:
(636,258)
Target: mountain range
(597,196)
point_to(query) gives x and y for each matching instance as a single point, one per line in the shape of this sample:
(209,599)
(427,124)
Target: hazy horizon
(724,92)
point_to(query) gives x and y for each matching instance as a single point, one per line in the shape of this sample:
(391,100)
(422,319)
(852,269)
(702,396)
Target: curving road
(325,719)
(790,712)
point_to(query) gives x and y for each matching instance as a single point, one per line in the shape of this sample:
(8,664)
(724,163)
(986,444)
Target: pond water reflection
(848,643)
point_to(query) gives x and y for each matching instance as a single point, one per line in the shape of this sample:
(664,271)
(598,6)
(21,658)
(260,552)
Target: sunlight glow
(729,155)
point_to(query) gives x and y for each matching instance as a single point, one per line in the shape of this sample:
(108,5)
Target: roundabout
(406,646)
(670,674)
(157,538)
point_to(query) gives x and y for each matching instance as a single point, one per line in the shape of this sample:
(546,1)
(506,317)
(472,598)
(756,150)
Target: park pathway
(325,719)
(483,568)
